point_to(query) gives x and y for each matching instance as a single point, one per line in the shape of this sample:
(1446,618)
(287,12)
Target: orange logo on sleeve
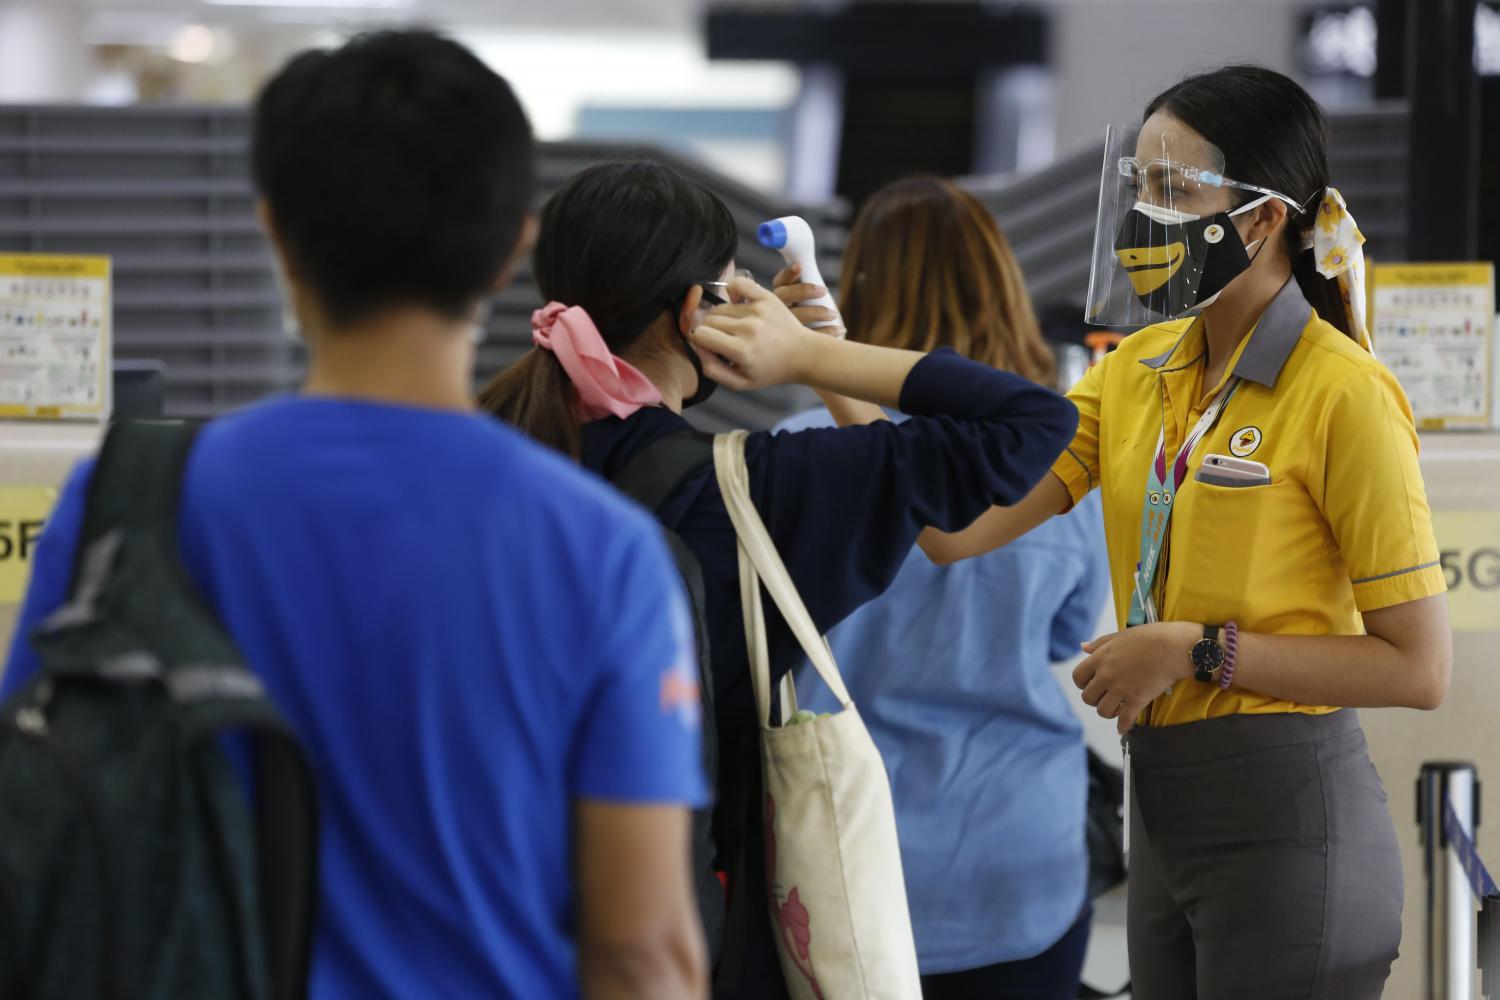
(679,693)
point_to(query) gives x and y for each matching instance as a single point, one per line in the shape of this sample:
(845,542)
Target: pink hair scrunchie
(606,385)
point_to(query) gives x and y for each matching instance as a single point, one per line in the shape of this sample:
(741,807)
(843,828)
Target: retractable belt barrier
(1448,801)
(1480,882)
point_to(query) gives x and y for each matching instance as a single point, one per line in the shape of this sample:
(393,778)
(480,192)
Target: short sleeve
(1078,466)
(1365,477)
(639,736)
(51,572)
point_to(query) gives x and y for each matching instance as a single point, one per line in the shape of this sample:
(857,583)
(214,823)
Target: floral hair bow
(1338,249)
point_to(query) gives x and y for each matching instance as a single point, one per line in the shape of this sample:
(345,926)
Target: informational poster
(1433,326)
(1495,376)
(55,337)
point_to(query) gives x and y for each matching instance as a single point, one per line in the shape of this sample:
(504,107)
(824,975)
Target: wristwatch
(1207,654)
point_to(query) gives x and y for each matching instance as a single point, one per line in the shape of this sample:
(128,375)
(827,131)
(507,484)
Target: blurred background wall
(770,92)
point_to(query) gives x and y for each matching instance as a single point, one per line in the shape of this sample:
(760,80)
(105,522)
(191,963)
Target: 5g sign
(1479,569)
(1469,553)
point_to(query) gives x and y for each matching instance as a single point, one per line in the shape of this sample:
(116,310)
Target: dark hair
(968,294)
(1272,133)
(398,170)
(625,241)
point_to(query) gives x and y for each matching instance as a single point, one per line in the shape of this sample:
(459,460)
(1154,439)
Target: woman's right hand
(791,290)
(754,342)
(758,342)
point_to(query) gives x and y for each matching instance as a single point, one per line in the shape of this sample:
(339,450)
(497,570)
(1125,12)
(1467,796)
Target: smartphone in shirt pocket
(1225,470)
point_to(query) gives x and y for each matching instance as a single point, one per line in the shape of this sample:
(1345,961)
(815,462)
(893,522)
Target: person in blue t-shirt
(951,667)
(486,653)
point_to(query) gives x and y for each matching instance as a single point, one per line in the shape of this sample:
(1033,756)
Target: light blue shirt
(951,670)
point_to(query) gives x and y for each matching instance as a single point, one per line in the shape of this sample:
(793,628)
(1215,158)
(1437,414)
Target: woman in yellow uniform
(1270,546)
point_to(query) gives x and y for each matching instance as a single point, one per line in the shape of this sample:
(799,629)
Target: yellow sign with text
(23,511)
(42,265)
(1469,544)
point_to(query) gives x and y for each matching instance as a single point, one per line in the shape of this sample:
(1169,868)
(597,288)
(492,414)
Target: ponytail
(534,395)
(1323,294)
(619,247)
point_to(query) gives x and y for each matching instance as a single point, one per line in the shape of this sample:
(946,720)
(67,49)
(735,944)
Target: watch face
(1208,655)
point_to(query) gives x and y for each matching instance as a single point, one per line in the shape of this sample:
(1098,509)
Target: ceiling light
(194,43)
(316,4)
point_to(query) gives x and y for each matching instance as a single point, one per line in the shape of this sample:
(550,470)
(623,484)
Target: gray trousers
(1263,861)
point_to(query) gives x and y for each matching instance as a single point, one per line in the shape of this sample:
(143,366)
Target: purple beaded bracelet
(1231,648)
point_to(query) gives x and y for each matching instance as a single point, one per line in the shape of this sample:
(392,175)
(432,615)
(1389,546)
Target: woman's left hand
(754,341)
(1125,671)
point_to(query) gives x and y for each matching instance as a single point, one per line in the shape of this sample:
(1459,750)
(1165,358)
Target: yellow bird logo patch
(1244,442)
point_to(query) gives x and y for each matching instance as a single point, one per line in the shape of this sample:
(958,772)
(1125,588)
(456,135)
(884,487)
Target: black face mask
(706,386)
(1177,265)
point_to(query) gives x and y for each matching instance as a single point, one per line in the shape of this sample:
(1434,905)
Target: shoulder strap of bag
(651,477)
(135,486)
(131,504)
(761,564)
(655,472)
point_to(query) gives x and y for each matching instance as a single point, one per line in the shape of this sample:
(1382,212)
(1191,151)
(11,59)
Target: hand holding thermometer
(793,237)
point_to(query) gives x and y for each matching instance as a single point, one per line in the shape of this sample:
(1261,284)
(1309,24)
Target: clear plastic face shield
(1165,243)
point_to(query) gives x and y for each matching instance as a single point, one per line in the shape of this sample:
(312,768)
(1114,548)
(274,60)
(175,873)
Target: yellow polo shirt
(1343,527)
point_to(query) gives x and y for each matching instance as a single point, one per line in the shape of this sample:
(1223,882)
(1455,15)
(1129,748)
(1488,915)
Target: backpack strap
(656,472)
(137,481)
(287,828)
(652,477)
(132,494)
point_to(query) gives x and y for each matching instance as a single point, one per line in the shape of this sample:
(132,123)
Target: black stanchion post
(1489,944)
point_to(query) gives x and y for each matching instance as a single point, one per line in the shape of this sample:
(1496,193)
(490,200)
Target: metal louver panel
(165,191)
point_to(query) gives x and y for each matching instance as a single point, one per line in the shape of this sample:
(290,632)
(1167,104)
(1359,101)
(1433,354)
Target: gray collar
(1271,341)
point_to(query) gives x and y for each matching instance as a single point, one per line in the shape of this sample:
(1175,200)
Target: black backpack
(1105,830)
(1105,827)
(650,478)
(132,862)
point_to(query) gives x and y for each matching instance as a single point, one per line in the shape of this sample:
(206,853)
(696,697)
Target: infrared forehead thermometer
(793,237)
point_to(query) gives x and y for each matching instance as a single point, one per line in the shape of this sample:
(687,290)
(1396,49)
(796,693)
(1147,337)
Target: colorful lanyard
(1162,484)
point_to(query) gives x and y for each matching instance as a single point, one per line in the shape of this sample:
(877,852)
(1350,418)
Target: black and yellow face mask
(1177,262)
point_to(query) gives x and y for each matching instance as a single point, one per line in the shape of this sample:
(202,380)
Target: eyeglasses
(718,292)
(1159,180)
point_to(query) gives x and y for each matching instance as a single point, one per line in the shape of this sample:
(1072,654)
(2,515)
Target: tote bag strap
(760,563)
(756,649)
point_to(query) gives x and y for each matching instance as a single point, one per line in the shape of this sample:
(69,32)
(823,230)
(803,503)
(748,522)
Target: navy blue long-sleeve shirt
(844,507)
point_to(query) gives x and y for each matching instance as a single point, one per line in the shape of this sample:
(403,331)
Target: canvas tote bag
(836,891)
